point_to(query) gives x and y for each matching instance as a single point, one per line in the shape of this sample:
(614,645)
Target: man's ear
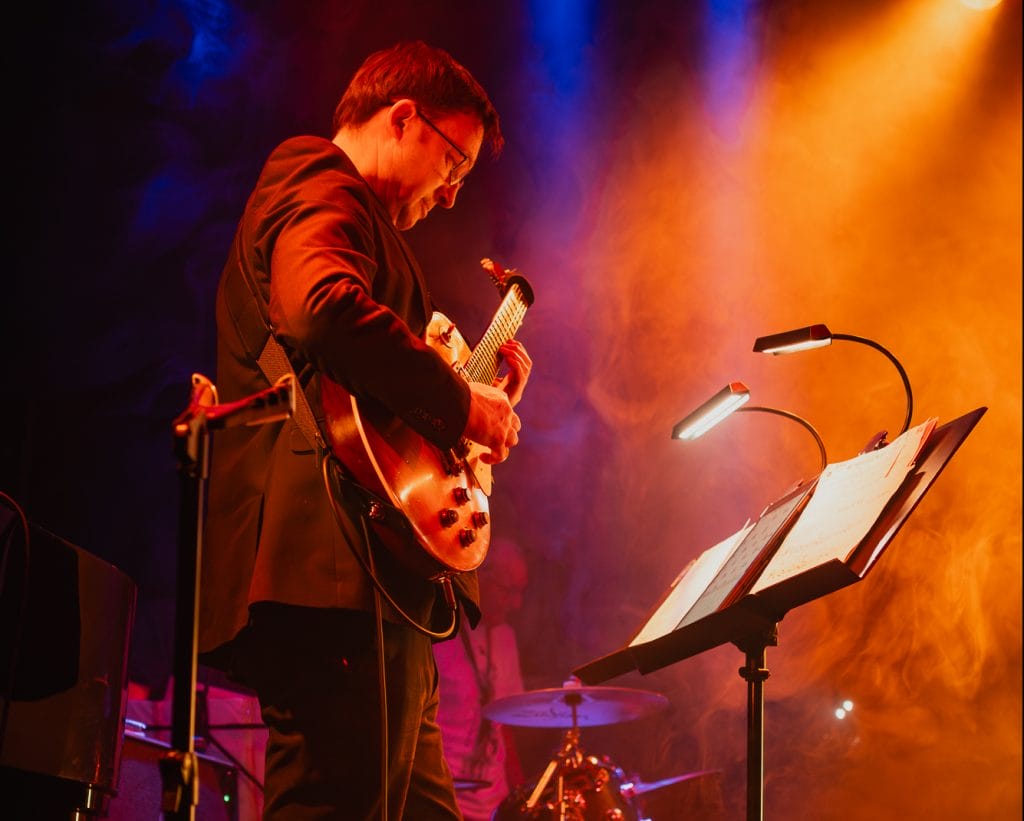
(399,115)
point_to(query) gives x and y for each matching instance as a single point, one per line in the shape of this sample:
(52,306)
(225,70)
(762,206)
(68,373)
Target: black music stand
(727,612)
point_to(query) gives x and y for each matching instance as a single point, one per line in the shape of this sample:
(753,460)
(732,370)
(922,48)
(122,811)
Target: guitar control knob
(467,536)
(480,518)
(448,517)
(446,335)
(461,495)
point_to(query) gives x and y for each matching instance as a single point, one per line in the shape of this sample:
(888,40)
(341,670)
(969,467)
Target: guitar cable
(382,683)
(379,592)
(366,562)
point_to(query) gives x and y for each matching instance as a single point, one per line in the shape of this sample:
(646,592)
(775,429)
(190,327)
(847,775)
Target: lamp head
(801,339)
(712,412)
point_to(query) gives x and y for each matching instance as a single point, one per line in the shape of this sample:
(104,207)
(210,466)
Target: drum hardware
(640,787)
(574,786)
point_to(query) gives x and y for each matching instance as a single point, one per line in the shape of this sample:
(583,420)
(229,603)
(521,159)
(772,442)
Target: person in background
(480,666)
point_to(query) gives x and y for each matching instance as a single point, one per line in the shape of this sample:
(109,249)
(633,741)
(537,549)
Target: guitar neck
(482,365)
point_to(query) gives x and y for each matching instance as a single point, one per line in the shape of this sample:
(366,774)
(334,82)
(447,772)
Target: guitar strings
(483,362)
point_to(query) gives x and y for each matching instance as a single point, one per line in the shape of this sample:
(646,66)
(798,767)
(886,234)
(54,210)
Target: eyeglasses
(454,177)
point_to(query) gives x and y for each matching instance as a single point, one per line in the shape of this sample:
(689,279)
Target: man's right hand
(492,422)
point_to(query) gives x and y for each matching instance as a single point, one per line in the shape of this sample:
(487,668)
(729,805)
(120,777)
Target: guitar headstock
(505,279)
(498,275)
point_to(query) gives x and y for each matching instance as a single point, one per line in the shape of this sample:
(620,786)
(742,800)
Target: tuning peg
(494,271)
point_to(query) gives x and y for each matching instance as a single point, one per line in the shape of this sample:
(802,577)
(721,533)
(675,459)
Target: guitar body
(443,494)
(436,490)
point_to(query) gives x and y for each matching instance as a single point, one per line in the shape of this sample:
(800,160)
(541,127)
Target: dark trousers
(316,674)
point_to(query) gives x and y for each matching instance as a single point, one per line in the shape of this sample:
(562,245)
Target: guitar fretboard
(482,365)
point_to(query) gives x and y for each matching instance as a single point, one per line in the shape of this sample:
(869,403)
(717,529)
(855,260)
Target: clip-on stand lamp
(179,768)
(733,398)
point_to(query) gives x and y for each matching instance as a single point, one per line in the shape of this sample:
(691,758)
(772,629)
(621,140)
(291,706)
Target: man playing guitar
(303,598)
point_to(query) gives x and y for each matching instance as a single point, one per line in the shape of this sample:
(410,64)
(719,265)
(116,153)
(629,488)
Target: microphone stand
(179,770)
(205,728)
(203,732)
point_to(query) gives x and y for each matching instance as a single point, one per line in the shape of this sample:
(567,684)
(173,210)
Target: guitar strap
(250,316)
(273,360)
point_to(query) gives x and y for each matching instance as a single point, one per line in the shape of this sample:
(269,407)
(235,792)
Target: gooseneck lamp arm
(817,336)
(800,420)
(903,374)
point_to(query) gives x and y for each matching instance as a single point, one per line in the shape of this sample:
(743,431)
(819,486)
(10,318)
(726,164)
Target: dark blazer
(343,293)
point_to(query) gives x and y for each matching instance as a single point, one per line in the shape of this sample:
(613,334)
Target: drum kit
(576,786)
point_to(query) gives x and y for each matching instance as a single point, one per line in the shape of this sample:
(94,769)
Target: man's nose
(446,195)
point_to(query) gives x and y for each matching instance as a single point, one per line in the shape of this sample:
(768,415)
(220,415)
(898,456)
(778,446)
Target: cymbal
(554,707)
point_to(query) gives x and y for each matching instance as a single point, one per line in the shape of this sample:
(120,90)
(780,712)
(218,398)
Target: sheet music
(848,500)
(741,559)
(687,587)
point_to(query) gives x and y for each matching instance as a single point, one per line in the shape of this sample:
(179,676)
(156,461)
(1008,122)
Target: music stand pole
(755,672)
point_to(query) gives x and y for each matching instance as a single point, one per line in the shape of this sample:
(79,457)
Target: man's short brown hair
(423,73)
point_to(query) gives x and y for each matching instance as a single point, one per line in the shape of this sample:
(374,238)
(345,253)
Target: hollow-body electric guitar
(443,493)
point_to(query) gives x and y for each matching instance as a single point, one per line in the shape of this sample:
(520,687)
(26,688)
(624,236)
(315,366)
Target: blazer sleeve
(343,289)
